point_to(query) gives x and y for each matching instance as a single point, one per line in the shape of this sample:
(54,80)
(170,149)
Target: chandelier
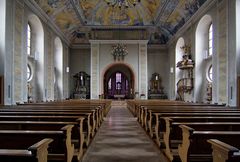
(119,51)
(122,3)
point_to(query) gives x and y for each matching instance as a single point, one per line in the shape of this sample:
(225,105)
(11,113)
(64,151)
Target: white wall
(237,19)
(79,60)
(2,35)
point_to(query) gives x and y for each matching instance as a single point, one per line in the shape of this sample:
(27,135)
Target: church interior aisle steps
(121,139)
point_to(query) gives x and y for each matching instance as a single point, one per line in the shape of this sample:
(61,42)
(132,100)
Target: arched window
(29,35)
(210,40)
(118,80)
(29,73)
(210,74)
(110,84)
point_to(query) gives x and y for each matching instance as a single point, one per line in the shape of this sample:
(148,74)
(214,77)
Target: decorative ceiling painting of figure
(72,15)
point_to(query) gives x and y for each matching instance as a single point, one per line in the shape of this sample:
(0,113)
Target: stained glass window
(118,80)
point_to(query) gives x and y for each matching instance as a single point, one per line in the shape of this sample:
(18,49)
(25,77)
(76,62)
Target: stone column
(94,70)
(50,66)
(18,52)
(222,51)
(143,75)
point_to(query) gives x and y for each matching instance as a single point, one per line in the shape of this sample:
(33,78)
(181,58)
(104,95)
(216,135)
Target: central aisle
(121,139)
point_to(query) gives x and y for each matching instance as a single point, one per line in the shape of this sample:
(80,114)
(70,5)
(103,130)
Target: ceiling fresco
(161,18)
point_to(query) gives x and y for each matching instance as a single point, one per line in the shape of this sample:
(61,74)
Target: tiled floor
(121,139)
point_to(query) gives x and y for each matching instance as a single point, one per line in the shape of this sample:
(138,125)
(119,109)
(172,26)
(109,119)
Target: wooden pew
(89,115)
(66,108)
(195,147)
(77,131)
(58,111)
(104,104)
(95,118)
(223,152)
(173,135)
(147,117)
(145,110)
(85,126)
(38,152)
(60,149)
(134,106)
(161,127)
(205,115)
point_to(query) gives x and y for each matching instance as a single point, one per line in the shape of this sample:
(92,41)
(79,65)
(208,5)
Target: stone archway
(118,82)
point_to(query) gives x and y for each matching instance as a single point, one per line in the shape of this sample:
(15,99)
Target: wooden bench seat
(144,111)
(60,149)
(89,115)
(85,126)
(99,111)
(147,112)
(160,128)
(195,147)
(77,131)
(154,127)
(38,152)
(173,135)
(170,104)
(150,120)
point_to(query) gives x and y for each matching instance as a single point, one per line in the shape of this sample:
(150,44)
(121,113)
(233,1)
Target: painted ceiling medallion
(122,3)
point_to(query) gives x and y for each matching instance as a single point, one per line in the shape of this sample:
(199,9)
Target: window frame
(29,39)
(210,40)
(29,73)
(210,74)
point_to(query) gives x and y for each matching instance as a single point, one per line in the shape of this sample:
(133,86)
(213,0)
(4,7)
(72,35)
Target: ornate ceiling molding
(45,18)
(195,18)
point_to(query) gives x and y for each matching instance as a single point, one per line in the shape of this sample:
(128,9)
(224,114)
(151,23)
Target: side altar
(156,89)
(82,86)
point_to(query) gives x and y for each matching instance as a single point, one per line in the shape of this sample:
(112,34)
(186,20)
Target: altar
(119,96)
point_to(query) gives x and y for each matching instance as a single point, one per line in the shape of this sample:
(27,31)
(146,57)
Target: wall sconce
(171,70)
(67,69)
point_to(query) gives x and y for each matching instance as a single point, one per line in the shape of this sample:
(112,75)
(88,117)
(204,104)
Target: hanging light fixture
(119,51)
(122,3)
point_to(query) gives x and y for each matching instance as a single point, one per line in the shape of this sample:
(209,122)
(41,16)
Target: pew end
(35,153)
(223,152)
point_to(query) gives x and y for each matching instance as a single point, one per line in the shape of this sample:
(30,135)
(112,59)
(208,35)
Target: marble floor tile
(121,139)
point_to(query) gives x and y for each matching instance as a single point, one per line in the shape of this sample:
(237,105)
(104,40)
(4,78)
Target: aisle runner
(121,139)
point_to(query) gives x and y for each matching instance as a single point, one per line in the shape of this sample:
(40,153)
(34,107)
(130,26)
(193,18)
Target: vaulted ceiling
(162,18)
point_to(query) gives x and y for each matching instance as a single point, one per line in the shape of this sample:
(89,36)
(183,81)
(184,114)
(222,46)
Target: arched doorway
(118,82)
